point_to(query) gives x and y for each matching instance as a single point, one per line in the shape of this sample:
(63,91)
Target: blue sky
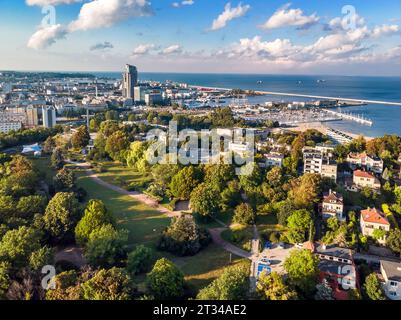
(248,36)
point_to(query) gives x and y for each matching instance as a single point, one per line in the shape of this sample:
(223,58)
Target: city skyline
(301,37)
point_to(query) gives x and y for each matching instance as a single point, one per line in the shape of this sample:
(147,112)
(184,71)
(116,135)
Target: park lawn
(201,269)
(143,223)
(120,175)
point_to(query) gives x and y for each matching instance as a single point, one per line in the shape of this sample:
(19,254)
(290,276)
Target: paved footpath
(216,236)
(133,194)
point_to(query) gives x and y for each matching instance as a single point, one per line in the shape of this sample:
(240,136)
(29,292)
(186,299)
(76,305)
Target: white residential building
(274,160)
(363,160)
(372,219)
(333,206)
(391,272)
(363,179)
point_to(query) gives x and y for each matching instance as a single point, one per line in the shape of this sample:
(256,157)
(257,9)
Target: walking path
(133,194)
(216,236)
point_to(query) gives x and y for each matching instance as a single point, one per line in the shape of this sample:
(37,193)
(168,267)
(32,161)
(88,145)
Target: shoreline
(323,129)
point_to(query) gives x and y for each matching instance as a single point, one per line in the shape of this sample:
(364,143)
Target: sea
(386,119)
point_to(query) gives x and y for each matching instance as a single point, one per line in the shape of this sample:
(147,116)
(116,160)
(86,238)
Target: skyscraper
(49,117)
(130,80)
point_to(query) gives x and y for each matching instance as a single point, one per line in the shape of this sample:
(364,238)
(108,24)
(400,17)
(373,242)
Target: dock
(348,116)
(287,94)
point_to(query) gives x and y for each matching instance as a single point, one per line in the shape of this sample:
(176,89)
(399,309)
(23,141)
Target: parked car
(268,245)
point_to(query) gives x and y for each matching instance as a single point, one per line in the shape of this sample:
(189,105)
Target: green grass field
(144,223)
(120,175)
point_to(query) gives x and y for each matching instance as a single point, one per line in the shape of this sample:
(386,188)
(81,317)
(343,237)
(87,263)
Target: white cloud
(187,2)
(47,36)
(101,46)
(143,49)
(285,17)
(174,49)
(341,24)
(43,3)
(229,14)
(105,13)
(385,29)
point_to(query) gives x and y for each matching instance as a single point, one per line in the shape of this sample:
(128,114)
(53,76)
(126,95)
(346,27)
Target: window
(393,294)
(393,283)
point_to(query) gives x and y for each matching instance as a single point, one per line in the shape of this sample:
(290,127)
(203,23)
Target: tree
(49,145)
(112,115)
(394,240)
(272,287)
(5,280)
(305,191)
(80,139)
(117,145)
(379,234)
(204,201)
(324,291)
(135,154)
(95,216)
(139,260)
(373,288)
(165,281)
(64,180)
(244,214)
(219,175)
(61,216)
(233,284)
(230,196)
(66,287)
(285,210)
(57,159)
(106,247)
(184,182)
(299,223)
(112,284)
(274,177)
(20,177)
(40,258)
(183,237)
(302,269)
(17,246)
(28,206)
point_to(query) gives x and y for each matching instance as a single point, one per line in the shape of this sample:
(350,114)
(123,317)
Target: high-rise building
(32,116)
(49,117)
(130,80)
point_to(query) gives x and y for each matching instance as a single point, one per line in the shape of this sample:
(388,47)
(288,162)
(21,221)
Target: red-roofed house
(364,179)
(333,206)
(372,219)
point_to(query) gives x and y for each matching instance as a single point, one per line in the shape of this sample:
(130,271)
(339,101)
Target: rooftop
(392,270)
(363,174)
(374,216)
(334,251)
(333,196)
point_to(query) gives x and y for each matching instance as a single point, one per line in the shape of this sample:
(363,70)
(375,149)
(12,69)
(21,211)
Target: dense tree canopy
(302,269)
(165,281)
(183,237)
(61,216)
(272,287)
(233,284)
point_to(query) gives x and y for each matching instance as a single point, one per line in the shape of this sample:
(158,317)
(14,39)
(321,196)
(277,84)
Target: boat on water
(259,82)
